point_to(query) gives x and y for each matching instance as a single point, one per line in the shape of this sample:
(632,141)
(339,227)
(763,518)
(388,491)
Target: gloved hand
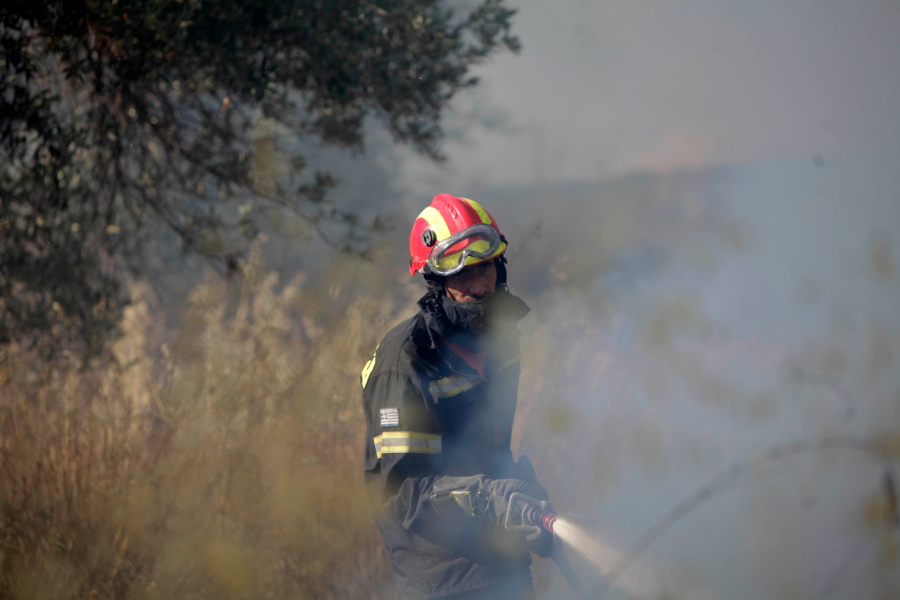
(479,496)
(534,539)
(539,541)
(501,489)
(455,498)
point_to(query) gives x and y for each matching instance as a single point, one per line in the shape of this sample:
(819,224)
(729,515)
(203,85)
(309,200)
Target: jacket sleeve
(403,457)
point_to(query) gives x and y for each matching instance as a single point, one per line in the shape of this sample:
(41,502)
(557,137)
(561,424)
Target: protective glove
(456,498)
(501,489)
(479,496)
(539,541)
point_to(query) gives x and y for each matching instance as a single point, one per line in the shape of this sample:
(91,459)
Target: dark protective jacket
(430,416)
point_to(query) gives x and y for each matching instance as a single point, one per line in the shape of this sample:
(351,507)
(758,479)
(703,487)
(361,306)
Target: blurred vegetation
(120,117)
(223,465)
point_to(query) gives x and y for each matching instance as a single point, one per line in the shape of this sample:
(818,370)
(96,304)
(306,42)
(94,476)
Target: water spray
(526,515)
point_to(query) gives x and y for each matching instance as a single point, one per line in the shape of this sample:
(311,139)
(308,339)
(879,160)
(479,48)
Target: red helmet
(451,234)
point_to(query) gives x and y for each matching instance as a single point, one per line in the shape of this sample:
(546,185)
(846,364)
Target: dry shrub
(226,464)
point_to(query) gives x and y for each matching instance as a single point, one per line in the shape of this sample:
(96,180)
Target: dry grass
(226,465)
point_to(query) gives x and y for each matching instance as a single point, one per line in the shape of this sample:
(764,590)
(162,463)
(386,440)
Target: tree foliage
(119,115)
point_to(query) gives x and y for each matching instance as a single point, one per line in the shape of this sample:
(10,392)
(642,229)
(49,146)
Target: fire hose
(526,515)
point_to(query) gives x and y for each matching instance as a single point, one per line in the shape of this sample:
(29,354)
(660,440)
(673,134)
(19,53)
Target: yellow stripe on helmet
(442,231)
(482,214)
(437,223)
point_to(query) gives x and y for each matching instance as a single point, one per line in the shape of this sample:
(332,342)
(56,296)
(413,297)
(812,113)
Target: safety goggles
(450,255)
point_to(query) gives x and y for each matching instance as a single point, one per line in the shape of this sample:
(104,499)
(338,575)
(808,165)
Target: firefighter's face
(473,283)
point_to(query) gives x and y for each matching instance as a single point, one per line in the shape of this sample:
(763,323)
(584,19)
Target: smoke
(640,579)
(687,321)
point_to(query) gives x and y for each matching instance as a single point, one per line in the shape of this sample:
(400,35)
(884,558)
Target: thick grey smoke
(723,313)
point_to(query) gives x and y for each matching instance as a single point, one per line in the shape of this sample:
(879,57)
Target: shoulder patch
(390,417)
(367,370)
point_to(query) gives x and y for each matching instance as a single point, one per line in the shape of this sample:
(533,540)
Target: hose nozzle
(548,520)
(527,512)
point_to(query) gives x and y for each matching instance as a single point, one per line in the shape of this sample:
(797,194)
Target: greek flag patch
(390,417)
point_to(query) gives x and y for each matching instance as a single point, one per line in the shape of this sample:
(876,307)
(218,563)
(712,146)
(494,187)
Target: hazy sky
(602,88)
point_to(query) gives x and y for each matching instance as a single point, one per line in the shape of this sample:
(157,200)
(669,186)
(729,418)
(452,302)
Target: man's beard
(467,315)
(470,323)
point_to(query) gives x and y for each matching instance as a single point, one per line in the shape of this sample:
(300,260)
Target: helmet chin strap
(500,263)
(435,282)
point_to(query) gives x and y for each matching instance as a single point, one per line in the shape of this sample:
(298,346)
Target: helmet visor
(450,255)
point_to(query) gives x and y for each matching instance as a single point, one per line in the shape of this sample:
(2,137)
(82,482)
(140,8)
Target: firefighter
(439,395)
